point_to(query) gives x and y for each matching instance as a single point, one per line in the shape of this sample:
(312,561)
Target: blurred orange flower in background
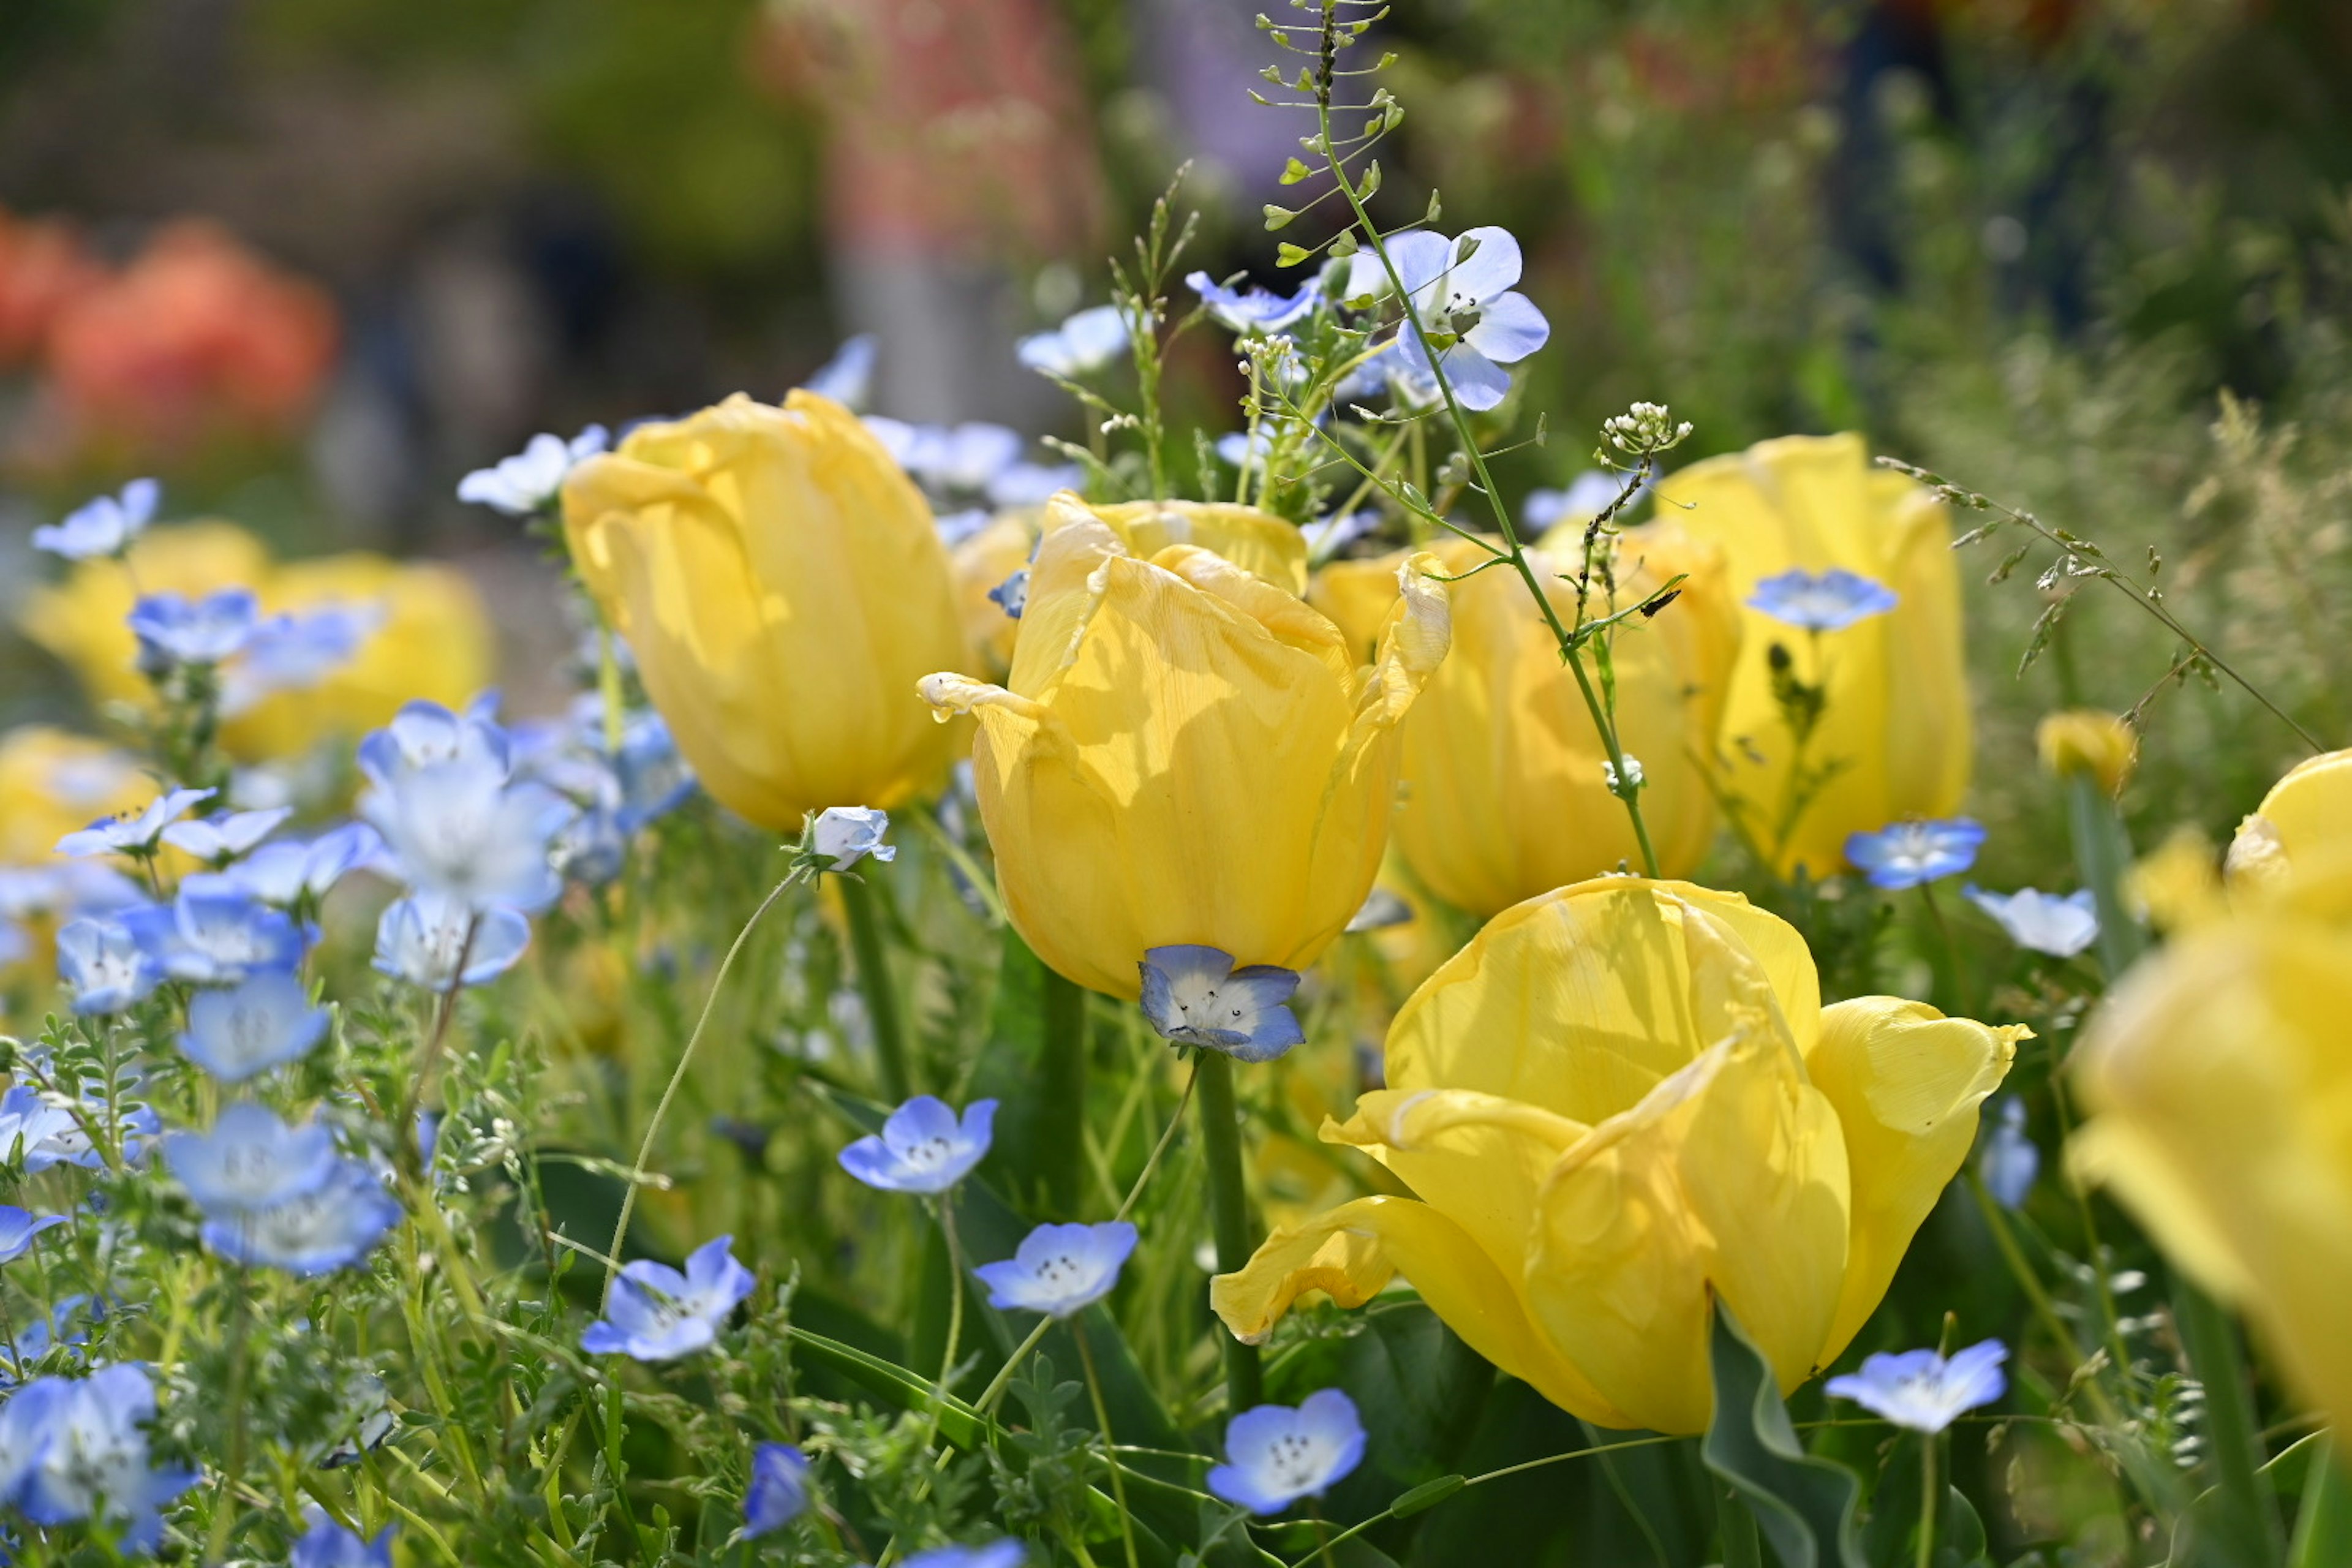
(44,268)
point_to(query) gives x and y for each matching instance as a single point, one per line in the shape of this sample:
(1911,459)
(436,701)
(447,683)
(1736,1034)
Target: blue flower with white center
(844,834)
(134,833)
(1828,602)
(264,1021)
(1011,596)
(2009,1162)
(1922,1391)
(296,871)
(1005,1554)
(18,1228)
(778,1493)
(45,1132)
(529,481)
(848,376)
(296,652)
(1276,1454)
(1254,311)
(1194,996)
(957,460)
(106,964)
(214,932)
(1079,346)
(425,734)
(425,937)
(2042,922)
(102,527)
(250,1160)
(174,630)
(1060,1270)
(333,1225)
(224,835)
(72,1446)
(1588,495)
(1908,853)
(655,780)
(922,1147)
(326,1544)
(1033,484)
(656,1313)
(1459,287)
(460,828)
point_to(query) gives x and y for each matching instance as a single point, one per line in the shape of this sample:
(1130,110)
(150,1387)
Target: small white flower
(527,481)
(1633,772)
(102,527)
(2042,922)
(844,834)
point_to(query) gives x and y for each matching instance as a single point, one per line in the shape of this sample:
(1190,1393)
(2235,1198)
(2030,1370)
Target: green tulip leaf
(1804,1506)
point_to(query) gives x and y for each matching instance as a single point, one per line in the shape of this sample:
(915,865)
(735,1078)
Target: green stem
(1741,1549)
(1221,1142)
(1102,1424)
(224,1508)
(2322,1536)
(955,1310)
(1062,1094)
(898,1080)
(2248,1519)
(1951,947)
(2102,855)
(1928,1500)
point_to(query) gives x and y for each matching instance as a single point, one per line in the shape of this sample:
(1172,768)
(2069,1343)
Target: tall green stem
(1062,1094)
(1741,1549)
(2323,1534)
(873,983)
(2250,1525)
(1928,1498)
(1221,1142)
(2102,855)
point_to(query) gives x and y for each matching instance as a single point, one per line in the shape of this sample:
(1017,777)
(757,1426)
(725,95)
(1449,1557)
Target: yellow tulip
(1894,733)
(52,782)
(2304,822)
(2218,1085)
(983,561)
(1506,782)
(1622,1100)
(782,586)
(1258,542)
(1185,754)
(2083,740)
(431,637)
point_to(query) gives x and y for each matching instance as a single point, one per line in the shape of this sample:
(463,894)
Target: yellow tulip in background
(1623,1098)
(2087,741)
(1184,752)
(782,586)
(2304,823)
(1895,727)
(53,783)
(982,561)
(2221,1099)
(1505,788)
(431,639)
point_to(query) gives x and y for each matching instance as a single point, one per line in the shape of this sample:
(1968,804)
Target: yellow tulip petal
(1258,542)
(1906,1082)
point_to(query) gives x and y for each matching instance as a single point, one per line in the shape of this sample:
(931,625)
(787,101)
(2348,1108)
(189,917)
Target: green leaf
(1290,255)
(1277,217)
(1959,1533)
(1370,181)
(1427,1495)
(959,1423)
(1295,171)
(1804,1506)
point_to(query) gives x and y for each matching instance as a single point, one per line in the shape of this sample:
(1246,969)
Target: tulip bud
(2086,740)
(1185,754)
(781,585)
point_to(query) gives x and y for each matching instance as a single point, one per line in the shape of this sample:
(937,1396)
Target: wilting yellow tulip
(1893,740)
(426,636)
(2304,823)
(52,782)
(1186,754)
(1506,780)
(2084,740)
(2218,1085)
(1258,542)
(782,586)
(1623,1101)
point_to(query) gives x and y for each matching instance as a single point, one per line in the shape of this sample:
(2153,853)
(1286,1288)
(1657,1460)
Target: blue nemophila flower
(848,376)
(107,963)
(326,1544)
(1011,596)
(2042,922)
(214,932)
(1032,484)
(922,1147)
(174,629)
(333,1225)
(105,526)
(1459,288)
(1194,996)
(530,481)
(778,1493)
(1239,448)
(67,1324)
(1060,1270)
(18,1228)
(1254,311)
(1921,1390)
(1827,602)
(1276,1454)
(47,1131)
(296,652)
(1005,1554)
(1587,496)
(423,938)
(452,819)
(250,1160)
(71,1447)
(264,1021)
(1327,536)
(1907,853)
(287,872)
(134,833)
(2009,1162)
(948,459)
(656,1313)
(224,835)
(844,834)
(1079,346)
(425,734)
